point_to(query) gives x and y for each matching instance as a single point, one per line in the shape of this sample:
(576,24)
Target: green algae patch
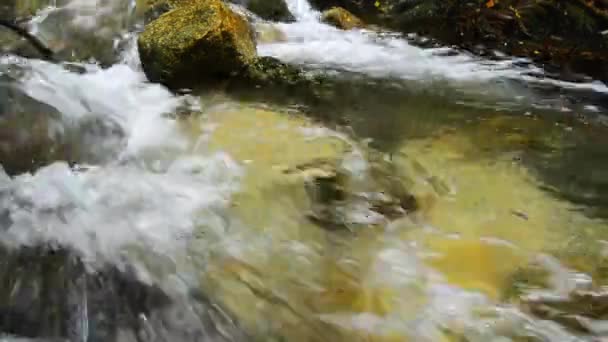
(195,43)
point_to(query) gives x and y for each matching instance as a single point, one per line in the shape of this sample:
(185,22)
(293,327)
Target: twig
(46,53)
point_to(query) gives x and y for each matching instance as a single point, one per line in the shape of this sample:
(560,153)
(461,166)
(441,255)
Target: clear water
(511,179)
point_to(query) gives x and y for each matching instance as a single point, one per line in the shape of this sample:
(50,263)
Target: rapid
(171,217)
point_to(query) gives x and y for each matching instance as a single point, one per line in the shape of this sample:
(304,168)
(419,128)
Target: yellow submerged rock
(284,278)
(342,19)
(196,42)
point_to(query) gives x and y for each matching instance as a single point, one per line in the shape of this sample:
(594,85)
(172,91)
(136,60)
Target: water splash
(150,190)
(302,10)
(387,55)
(138,107)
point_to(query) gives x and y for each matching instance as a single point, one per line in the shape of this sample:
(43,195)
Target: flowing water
(181,222)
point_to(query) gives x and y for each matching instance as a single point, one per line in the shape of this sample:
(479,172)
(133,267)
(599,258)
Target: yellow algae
(494,207)
(267,143)
(284,271)
(283,276)
(476,264)
(483,198)
(269,139)
(276,267)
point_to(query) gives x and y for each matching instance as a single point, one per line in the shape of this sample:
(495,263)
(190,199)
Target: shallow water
(192,193)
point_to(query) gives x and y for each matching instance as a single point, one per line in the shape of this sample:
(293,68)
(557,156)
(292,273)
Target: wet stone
(47,294)
(336,205)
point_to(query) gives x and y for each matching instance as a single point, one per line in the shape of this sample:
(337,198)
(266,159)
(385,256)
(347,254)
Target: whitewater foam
(378,54)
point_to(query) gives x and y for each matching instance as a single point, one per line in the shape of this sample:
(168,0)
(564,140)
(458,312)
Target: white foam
(313,43)
(119,94)
(144,197)
(106,209)
(364,51)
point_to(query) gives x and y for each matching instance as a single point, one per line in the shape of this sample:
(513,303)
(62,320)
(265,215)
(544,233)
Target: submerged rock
(47,293)
(338,203)
(582,311)
(28,135)
(32,135)
(195,43)
(274,10)
(81,33)
(342,19)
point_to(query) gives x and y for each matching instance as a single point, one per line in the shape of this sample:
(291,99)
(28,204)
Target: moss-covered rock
(342,19)
(274,10)
(200,41)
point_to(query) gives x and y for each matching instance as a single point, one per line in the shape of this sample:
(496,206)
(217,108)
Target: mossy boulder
(274,10)
(342,19)
(200,41)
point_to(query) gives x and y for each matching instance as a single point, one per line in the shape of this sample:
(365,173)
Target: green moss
(269,70)
(194,43)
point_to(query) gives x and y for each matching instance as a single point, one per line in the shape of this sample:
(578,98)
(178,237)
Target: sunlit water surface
(508,170)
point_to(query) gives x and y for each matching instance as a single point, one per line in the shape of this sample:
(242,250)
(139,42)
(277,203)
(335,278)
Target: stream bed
(130,213)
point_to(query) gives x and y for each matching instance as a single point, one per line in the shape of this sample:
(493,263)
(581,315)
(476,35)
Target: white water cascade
(145,203)
(388,55)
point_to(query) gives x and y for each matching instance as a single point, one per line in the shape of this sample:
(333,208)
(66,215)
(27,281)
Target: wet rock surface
(194,43)
(47,293)
(336,203)
(32,135)
(341,18)
(582,311)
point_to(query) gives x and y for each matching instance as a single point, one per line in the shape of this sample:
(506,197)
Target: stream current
(182,228)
